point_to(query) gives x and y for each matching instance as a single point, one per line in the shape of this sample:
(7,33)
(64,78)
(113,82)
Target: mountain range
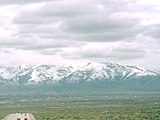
(102,76)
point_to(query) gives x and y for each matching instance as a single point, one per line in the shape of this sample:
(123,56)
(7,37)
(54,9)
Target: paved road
(19,115)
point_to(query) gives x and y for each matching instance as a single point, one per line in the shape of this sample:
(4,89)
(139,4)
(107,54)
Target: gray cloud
(35,43)
(38,45)
(55,11)
(50,44)
(79,30)
(79,20)
(127,53)
(117,53)
(152,30)
(51,51)
(77,23)
(98,24)
(12,43)
(9,2)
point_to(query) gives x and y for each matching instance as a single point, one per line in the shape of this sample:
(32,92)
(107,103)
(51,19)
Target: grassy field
(101,113)
(85,107)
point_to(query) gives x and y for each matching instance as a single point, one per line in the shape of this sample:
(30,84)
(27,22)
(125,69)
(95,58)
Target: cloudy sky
(79,31)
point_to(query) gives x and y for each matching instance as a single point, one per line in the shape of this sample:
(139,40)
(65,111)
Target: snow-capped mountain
(104,74)
(33,74)
(108,71)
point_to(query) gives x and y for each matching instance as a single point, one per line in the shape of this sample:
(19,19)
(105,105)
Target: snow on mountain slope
(8,72)
(34,74)
(108,71)
(49,72)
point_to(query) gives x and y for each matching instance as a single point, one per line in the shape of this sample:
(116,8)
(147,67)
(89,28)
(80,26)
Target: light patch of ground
(20,116)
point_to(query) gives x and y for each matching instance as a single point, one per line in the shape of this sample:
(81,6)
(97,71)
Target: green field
(101,113)
(113,106)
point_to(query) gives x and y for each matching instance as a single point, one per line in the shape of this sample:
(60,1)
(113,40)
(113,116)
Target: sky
(76,32)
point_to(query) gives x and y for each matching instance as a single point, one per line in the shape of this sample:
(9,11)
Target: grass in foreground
(101,113)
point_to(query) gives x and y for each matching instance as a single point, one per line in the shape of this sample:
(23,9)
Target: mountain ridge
(93,76)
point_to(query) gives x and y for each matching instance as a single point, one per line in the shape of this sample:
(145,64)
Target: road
(19,115)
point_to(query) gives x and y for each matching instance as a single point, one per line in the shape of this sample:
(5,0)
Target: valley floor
(117,106)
